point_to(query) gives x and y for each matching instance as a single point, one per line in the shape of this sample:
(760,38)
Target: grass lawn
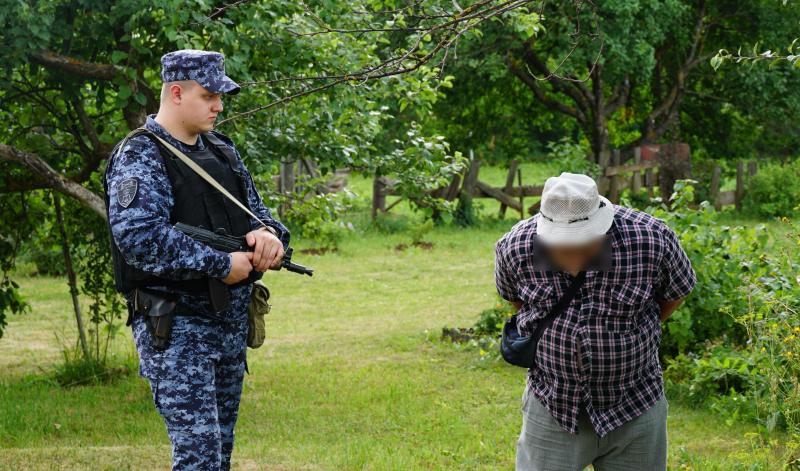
(351,377)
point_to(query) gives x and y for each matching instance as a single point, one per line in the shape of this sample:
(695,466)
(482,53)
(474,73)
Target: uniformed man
(196,378)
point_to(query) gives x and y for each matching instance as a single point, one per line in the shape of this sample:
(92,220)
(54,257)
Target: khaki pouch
(258,308)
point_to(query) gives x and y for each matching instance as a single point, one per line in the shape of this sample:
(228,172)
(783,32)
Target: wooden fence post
(636,180)
(739,184)
(472,175)
(752,168)
(512,172)
(378,196)
(613,190)
(602,183)
(286,183)
(715,181)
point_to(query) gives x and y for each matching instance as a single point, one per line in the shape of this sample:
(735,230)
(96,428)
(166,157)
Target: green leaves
(118,56)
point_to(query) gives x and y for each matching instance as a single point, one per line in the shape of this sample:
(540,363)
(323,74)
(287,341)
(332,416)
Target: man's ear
(176,93)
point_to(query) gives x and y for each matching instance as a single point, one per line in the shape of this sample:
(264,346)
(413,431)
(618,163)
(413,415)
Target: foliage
(78,75)
(490,321)
(418,232)
(465,214)
(78,370)
(721,376)
(772,321)
(14,229)
(570,156)
(757,380)
(720,255)
(316,217)
(774,191)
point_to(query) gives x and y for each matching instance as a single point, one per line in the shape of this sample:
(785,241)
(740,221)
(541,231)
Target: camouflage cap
(204,67)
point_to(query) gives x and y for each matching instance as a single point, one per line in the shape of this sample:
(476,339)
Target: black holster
(158,310)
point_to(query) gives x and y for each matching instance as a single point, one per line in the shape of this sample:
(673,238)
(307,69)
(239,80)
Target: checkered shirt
(601,353)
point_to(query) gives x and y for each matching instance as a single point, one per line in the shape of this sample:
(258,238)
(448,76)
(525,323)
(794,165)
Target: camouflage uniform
(197,381)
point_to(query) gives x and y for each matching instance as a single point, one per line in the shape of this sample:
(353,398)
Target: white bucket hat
(572,211)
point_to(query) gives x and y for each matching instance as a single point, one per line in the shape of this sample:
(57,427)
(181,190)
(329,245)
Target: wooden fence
(734,197)
(513,196)
(615,177)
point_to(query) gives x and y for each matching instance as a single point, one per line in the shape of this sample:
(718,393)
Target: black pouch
(521,351)
(158,311)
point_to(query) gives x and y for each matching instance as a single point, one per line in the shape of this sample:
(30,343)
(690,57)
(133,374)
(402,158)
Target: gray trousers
(639,445)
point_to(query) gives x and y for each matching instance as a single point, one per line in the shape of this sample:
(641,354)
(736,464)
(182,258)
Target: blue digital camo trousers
(196,384)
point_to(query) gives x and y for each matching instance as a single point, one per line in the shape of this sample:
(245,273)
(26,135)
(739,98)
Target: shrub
(317,216)
(774,191)
(721,255)
(490,321)
(772,321)
(48,259)
(718,371)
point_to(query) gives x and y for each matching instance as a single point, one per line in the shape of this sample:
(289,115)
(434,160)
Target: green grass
(349,378)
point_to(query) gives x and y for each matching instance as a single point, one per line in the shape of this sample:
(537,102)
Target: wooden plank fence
(616,177)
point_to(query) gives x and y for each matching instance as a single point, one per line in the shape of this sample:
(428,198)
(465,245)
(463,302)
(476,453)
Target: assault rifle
(228,243)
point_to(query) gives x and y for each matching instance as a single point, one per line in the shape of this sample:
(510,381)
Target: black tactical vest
(196,203)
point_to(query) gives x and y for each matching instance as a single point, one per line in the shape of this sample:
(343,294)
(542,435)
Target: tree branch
(581,97)
(53,179)
(76,67)
(532,83)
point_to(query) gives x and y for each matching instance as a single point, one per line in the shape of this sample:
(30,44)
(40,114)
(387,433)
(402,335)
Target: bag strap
(208,178)
(560,306)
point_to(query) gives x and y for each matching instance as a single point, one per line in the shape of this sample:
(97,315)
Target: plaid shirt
(602,351)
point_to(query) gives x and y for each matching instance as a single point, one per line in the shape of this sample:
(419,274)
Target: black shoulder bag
(521,351)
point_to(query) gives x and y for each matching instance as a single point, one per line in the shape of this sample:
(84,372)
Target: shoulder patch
(126,191)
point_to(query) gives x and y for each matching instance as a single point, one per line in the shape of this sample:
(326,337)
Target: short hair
(184,84)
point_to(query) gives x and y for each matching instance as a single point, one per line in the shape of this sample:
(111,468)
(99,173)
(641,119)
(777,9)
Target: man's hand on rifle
(267,249)
(241,266)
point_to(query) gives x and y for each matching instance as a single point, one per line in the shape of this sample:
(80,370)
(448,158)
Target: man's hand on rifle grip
(267,249)
(241,266)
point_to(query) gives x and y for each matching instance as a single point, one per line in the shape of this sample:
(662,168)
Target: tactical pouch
(158,312)
(256,310)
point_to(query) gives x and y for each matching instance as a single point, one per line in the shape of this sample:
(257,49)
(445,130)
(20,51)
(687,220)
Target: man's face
(198,108)
(574,258)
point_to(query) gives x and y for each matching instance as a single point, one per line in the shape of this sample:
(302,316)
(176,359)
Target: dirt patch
(317,251)
(422,245)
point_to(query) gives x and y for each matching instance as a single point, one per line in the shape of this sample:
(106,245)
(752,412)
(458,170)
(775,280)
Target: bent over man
(595,394)
(188,301)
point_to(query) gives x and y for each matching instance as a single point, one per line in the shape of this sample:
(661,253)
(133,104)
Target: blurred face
(195,107)
(574,258)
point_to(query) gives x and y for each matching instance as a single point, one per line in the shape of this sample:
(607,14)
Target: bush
(758,380)
(490,321)
(772,321)
(721,255)
(718,371)
(317,216)
(484,335)
(774,191)
(48,259)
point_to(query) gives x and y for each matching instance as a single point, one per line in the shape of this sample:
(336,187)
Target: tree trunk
(71,278)
(378,196)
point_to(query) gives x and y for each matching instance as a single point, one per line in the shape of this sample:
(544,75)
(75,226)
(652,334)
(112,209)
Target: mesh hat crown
(572,210)
(569,196)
